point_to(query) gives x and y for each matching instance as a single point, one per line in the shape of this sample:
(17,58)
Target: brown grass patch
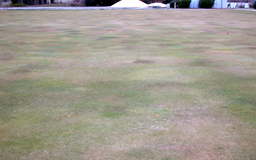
(110,63)
(64,63)
(111,99)
(171,61)
(11,77)
(21,71)
(236,70)
(251,47)
(6,57)
(141,61)
(222,52)
(47,30)
(203,134)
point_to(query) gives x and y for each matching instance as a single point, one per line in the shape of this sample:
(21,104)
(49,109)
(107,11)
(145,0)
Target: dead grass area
(199,128)
(149,84)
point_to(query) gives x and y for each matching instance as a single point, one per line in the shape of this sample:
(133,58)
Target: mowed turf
(128,84)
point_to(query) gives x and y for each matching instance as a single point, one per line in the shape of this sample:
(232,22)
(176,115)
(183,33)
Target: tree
(184,3)
(100,2)
(206,3)
(148,1)
(166,1)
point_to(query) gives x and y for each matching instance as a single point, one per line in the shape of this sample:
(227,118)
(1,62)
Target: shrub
(206,3)
(14,1)
(184,3)
(241,6)
(172,3)
(180,3)
(250,5)
(166,1)
(99,2)
(254,5)
(76,3)
(18,5)
(148,1)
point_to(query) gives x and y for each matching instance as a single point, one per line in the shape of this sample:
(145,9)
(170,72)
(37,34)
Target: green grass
(137,84)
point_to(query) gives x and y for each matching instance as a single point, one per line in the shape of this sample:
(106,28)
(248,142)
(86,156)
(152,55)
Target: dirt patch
(21,71)
(140,61)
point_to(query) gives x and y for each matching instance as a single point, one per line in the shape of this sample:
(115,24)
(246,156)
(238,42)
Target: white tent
(157,4)
(130,4)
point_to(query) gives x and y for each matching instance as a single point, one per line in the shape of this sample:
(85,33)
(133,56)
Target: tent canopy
(130,4)
(157,4)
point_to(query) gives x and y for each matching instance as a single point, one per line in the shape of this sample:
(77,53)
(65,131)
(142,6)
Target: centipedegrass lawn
(128,84)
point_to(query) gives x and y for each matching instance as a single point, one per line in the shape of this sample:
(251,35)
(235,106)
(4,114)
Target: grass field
(128,84)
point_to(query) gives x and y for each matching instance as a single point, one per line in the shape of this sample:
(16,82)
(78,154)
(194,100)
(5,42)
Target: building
(240,3)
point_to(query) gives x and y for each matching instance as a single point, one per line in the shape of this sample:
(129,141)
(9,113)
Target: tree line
(31,2)
(82,2)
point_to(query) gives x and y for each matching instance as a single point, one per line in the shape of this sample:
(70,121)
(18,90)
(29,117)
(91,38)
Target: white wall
(220,4)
